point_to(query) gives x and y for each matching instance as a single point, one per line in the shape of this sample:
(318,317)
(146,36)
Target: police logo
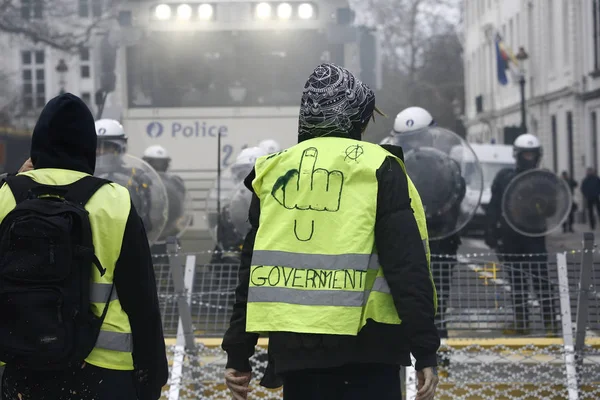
(410,123)
(154,129)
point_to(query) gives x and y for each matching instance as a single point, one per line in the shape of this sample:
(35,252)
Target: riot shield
(238,207)
(536,202)
(226,239)
(180,210)
(447,175)
(147,191)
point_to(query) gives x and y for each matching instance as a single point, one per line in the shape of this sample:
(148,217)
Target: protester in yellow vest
(336,266)
(127,358)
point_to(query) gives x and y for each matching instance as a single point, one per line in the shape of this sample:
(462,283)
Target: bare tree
(405,27)
(421,43)
(60,24)
(10,99)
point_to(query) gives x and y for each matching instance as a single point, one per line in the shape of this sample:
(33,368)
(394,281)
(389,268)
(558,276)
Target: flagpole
(522,56)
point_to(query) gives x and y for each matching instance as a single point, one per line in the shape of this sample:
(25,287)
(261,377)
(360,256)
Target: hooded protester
(341,319)
(126,356)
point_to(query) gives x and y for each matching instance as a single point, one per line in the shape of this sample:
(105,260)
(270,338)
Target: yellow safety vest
(314,267)
(108,212)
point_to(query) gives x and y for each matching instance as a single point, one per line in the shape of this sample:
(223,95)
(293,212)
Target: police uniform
(526,257)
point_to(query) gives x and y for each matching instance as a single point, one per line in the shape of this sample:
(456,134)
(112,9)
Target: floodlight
(306,11)
(162,12)
(284,11)
(184,11)
(205,11)
(263,10)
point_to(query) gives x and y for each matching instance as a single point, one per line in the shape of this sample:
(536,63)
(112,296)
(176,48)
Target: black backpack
(46,258)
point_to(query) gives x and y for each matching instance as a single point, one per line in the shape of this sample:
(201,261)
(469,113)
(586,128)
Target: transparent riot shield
(238,207)
(147,191)
(180,212)
(536,202)
(227,239)
(447,175)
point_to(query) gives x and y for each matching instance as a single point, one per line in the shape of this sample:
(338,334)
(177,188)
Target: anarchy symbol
(353,152)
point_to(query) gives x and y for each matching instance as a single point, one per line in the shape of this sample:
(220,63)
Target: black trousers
(79,383)
(522,267)
(591,203)
(568,225)
(441,270)
(351,382)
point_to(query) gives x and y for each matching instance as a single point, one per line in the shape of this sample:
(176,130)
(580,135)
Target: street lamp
(457,111)
(62,70)
(522,56)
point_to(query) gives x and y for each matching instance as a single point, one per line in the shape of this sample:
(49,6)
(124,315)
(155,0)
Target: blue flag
(501,65)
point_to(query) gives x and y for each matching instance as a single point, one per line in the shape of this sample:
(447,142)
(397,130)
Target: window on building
(32,9)
(596,33)
(550,31)
(85,62)
(554,143)
(565,33)
(517,41)
(511,35)
(34,79)
(594,130)
(85,71)
(90,8)
(84,54)
(87,98)
(570,144)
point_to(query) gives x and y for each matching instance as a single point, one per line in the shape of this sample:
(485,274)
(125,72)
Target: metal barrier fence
(520,328)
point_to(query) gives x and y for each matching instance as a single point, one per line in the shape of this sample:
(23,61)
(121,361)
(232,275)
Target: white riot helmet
(527,150)
(269,146)
(111,137)
(158,157)
(412,119)
(245,162)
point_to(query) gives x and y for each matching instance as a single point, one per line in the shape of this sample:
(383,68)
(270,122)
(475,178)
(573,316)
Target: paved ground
(480,300)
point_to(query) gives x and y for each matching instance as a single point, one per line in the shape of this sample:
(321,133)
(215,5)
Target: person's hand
(427,382)
(27,166)
(238,383)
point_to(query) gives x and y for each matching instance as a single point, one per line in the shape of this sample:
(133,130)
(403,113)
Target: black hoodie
(65,138)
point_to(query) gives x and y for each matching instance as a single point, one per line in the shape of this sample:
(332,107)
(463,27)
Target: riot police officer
(158,158)
(269,146)
(179,217)
(525,255)
(416,121)
(229,240)
(111,147)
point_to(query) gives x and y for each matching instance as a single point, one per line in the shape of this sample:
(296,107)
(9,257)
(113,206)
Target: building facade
(561,73)
(31,72)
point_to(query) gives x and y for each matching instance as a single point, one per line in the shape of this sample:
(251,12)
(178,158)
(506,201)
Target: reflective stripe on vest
(313,268)
(100,291)
(313,261)
(115,341)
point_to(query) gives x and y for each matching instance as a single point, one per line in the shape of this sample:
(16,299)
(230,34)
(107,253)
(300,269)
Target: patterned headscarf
(334,103)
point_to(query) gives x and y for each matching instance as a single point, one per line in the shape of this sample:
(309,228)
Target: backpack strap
(81,191)
(20,185)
